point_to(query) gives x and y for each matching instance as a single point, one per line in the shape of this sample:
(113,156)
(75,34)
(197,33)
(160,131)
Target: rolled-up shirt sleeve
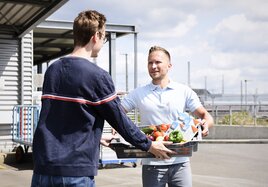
(192,100)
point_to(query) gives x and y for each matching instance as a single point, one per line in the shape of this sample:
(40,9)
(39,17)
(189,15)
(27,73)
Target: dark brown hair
(85,25)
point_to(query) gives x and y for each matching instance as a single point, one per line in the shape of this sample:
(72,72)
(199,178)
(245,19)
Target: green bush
(262,121)
(242,118)
(238,118)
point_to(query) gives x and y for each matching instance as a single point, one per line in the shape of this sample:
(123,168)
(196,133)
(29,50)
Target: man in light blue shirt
(160,102)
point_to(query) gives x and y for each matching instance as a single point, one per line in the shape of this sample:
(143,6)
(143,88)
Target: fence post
(255,114)
(216,114)
(230,114)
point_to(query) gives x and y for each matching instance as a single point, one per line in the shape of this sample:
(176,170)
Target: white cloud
(219,38)
(178,31)
(256,9)
(238,33)
(239,66)
(234,23)
(239,60)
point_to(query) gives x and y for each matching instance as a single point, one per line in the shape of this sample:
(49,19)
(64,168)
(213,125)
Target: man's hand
(204,127)
(159,150)
(106,139)
(207,121)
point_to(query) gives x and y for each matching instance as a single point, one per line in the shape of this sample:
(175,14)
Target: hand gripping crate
(128,151)
(185,149)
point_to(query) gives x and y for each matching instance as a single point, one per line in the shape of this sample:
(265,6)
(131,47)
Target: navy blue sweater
(77,97)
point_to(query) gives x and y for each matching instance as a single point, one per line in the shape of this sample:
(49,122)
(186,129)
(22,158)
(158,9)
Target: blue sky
(222,40)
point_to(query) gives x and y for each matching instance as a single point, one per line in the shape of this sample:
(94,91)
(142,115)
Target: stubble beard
(155,78)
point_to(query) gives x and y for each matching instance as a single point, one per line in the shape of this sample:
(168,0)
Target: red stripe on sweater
(78,100)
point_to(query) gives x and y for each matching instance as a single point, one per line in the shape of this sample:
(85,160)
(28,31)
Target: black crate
(128,151)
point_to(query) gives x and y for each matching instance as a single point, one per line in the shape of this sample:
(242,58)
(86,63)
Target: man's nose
(154,65)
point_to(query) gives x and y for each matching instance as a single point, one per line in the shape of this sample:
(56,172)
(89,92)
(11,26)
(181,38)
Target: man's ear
(95,37)
(169,65)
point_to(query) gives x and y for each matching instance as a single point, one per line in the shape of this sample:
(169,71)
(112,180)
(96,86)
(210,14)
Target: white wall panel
(16,72)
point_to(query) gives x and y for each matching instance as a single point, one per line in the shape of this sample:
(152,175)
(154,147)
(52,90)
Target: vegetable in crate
(148,130)
(157,134)
(164,127)
(176,136)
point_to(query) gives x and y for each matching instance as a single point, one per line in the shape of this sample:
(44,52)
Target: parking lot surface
(213,165)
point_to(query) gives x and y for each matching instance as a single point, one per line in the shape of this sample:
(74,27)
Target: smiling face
(158,66)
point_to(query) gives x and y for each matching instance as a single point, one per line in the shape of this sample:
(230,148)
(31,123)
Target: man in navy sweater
(77,97)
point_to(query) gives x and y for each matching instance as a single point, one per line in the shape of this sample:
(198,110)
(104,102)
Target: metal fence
(225,109)
(253,114)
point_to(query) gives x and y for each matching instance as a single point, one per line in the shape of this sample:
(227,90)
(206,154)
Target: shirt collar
(171,85)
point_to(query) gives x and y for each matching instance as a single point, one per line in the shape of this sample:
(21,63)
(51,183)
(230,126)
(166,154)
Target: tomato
(166,138)
(157,133)
(168,125)
(164,127)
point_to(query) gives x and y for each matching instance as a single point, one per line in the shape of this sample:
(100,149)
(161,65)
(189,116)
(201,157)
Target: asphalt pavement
(236,164)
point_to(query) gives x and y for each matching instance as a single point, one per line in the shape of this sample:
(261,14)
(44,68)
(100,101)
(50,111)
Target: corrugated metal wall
(27,69)
(16,59)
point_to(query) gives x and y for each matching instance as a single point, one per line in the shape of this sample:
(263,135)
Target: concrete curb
(235,141)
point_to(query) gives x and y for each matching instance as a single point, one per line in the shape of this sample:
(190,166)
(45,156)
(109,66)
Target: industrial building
(27,40)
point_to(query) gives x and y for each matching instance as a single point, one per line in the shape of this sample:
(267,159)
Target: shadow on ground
(115,166)
(27,163)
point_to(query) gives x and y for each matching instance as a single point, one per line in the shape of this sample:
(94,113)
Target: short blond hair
(158,48)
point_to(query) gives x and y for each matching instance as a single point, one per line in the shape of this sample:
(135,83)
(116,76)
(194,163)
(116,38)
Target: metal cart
(25,120)
(108,155)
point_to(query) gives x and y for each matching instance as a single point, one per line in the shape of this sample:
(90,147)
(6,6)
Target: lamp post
(126,71)
(246,94)
(189,76)
(241,86)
